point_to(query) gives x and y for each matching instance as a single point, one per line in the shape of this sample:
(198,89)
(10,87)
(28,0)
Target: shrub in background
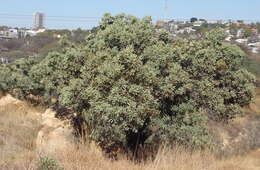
(46,163)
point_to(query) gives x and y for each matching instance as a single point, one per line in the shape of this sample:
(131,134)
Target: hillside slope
(19,125)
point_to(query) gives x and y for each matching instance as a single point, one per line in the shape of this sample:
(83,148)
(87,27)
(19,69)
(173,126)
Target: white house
(34,32)
(212,21)
(257,44)
(255,50)
(187,29)
(198,23)
(13,33)
(242,41)
(240,33)
(228,38)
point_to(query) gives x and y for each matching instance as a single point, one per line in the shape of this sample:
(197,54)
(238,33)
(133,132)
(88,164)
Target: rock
(54,136)
(8,99)
(254,108)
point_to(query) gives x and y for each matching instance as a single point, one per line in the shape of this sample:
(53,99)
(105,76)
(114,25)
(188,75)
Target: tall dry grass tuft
(89,157)
(18,130)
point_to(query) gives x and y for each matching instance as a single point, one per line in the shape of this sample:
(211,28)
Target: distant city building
(212,21)
(12,33)
(255,50)
(186,30)
(257,44)
(160,23)
(229,37)
(198,23)
(4,60)
(38,20)
(242,41)
(240,33)
(33,32)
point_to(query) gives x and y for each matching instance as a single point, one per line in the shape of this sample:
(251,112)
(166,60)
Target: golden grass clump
(19,126)
(89,157)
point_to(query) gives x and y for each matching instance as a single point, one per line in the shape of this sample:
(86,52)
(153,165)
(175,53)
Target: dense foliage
(252,66)
(134,86)
(40,44)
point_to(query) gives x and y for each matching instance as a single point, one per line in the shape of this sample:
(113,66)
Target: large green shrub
(15,78)
(136,87)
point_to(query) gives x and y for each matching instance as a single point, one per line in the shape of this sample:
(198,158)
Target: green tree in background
(258,27)
(193,19)
(248,32)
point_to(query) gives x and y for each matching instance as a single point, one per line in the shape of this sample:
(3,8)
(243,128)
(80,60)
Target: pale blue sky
(180,9)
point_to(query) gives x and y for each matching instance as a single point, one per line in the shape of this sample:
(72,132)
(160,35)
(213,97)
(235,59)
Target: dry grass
(18,130)
(19,126)
(89,157)
(83,157)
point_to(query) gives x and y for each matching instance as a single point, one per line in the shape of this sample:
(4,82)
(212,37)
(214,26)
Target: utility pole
(166,11)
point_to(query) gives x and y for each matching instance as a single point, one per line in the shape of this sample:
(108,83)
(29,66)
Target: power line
(85,21)
(74,17)
(52,19)
(93,18)
(58,20)
(6,14)
(49,16)
(166,10)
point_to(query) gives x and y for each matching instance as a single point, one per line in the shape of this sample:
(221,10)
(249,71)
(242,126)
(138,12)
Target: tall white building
(38,20)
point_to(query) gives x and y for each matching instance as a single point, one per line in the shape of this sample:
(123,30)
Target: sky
(19,12)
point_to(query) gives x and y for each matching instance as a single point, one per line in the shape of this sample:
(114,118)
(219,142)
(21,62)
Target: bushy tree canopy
(135,86)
